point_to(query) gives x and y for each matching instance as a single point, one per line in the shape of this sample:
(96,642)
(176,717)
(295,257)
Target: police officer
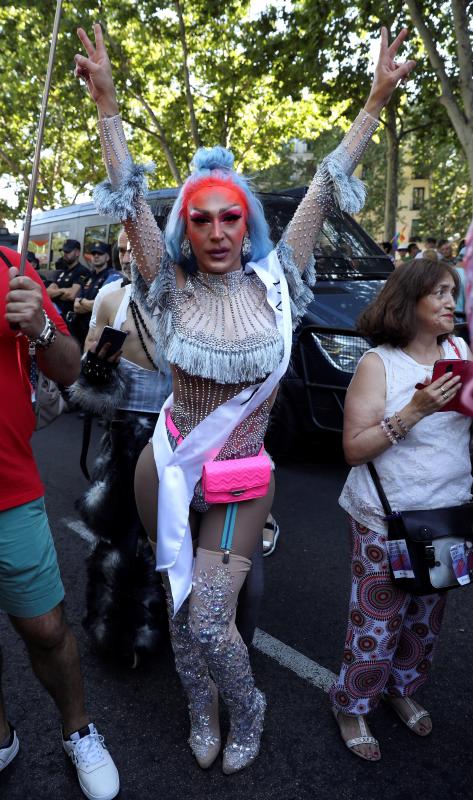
(70,279)
(102,272)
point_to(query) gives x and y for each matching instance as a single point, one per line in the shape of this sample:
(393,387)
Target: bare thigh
(146,494)
(250,518)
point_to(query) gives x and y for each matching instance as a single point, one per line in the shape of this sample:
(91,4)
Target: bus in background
(50,229)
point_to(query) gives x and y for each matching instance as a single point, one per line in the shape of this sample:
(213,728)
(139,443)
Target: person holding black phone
(423,462)
(123,380)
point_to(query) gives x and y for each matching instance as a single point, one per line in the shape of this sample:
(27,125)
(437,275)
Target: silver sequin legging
(391,634)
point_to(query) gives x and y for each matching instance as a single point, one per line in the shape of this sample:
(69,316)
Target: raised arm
(334,184)
(123,194)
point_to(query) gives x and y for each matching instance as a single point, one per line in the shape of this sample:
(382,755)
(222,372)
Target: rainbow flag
(398,239)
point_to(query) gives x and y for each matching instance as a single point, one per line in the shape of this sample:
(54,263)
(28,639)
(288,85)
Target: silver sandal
(415,717)
(364,737)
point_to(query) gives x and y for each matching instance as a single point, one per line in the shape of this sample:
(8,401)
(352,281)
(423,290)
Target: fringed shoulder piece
(221,363)
(217,327)
(300,286)
(121,199)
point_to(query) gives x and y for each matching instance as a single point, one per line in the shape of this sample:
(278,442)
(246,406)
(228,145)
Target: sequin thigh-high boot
(212,608)
(212,619)
(202,694)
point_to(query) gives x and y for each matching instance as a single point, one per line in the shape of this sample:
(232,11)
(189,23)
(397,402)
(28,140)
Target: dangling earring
(186,249)
(246,246)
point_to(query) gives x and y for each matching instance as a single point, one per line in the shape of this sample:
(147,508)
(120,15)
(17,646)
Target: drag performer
(225,303)
(126,610)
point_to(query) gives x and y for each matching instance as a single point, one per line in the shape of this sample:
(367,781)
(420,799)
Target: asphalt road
(142,712)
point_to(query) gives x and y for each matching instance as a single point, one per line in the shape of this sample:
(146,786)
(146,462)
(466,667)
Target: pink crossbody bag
(236,479)
(232,480)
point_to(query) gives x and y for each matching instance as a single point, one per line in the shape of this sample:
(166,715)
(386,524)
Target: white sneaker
(9,752)
(98,775)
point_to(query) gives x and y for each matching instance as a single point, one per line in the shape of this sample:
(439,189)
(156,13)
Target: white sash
(180,470)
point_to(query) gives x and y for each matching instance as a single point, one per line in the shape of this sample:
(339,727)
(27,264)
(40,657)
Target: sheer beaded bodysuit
(218,331)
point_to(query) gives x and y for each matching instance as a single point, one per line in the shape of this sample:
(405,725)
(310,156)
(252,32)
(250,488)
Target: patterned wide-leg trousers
(391,634)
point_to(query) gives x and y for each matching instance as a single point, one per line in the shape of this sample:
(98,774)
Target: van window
(57,240)
(39,245)
(113,231)
(344,251)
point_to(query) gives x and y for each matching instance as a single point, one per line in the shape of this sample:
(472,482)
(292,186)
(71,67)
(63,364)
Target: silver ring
(444,394)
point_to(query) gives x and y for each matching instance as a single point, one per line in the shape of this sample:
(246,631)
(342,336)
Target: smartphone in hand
(114,338)
(454,367)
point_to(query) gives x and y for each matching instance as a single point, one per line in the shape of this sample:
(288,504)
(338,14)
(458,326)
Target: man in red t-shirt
(31,591)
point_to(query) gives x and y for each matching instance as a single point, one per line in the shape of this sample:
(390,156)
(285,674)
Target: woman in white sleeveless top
(423,461)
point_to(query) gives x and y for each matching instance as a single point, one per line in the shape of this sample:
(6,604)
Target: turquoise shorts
(30,583)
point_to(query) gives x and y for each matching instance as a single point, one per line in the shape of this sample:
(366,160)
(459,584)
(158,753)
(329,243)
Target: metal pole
(39,141)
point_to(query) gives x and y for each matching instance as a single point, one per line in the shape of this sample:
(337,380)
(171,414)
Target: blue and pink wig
(214,167)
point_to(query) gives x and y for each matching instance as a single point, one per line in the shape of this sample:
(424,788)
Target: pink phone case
(456,366)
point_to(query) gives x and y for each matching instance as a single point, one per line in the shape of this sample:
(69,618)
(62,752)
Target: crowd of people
(431,248)
(434,250)
(183,488)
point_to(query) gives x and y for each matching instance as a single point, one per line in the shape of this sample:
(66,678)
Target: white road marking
(286,656)
(291,659)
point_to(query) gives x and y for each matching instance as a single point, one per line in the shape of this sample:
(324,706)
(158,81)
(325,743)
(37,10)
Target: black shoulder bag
(428,535)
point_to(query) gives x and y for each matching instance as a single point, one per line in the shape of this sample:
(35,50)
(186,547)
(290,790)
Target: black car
(351,269)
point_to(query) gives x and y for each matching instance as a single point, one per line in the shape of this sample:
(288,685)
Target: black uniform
(66,278)
(89,291)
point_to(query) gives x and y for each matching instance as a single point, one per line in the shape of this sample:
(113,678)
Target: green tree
(326,48)
(185,75)
(451,59)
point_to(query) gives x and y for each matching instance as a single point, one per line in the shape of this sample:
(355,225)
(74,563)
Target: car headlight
(343,352)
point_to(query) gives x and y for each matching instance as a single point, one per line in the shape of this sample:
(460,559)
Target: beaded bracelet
(402,425)
(387,430)
(398,436)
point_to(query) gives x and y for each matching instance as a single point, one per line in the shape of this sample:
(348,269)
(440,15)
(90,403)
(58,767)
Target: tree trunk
(392,173)
(461,116)
(469,157)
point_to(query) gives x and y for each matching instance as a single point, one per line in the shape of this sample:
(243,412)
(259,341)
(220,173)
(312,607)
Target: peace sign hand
(388,72)
(97,72)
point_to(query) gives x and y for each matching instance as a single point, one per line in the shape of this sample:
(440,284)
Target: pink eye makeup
(230,216)
(200,217)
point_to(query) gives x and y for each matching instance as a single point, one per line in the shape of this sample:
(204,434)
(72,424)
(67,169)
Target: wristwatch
(47,335)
